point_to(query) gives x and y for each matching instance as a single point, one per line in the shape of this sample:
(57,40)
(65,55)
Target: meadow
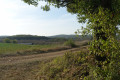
(41,66)
(14,49)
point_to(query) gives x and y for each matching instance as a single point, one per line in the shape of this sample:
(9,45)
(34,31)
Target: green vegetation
(77,66)
(14,41)
(27,37)
(70,43)
(12,47)
(42,39)
(102,62)
(21,49)
(102,18)
(72,66)
(7,40)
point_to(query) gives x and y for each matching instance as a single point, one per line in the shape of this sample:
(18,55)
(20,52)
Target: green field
(9,48)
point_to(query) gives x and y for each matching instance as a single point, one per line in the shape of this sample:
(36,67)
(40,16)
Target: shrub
(14,41)
(7,40)
(72,66)
(70,43)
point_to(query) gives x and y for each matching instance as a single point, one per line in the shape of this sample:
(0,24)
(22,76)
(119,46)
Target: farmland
(29,62)
(38,44)
(29,67)
(13,49)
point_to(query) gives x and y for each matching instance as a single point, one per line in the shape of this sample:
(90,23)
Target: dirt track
(27,67)
(35,57)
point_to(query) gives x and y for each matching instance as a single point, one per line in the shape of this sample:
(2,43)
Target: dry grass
(25,71)
(27,67)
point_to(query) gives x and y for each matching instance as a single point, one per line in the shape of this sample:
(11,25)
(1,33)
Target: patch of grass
(71,66)
(9,47)
(16,49)
(70,43)
(24,71)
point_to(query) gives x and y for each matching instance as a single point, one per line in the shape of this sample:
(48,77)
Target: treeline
(74,37)
(52,38)
(34,39)
(28,37)
(7,40)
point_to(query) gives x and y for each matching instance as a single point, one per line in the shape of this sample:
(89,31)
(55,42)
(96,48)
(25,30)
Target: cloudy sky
(16,17)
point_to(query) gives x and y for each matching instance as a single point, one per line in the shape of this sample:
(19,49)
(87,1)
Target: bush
(7,40)
(70,43)
(14,41)
(72,66)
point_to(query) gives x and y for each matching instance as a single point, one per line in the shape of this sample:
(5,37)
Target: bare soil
(29,58)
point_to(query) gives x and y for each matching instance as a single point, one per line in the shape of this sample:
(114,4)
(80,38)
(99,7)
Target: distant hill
(80,37)
(55,38)
(1,37)
(28,37)
(63,36)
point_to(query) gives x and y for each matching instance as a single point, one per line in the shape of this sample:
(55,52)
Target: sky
(17,17)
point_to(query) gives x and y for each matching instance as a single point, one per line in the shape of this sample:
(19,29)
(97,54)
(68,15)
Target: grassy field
(73,67)
(43,66)
(9,48)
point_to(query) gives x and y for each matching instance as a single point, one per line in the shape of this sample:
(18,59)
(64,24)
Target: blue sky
(16,17)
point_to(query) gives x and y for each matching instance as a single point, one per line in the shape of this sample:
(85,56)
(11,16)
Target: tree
(14,41)
(7,40)
(102,18)
(70,43)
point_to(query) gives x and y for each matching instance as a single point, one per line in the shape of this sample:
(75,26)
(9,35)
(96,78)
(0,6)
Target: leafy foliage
(7,40)
(70,43)
(102,17)
(105,48)
(74,67)
(14,41)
